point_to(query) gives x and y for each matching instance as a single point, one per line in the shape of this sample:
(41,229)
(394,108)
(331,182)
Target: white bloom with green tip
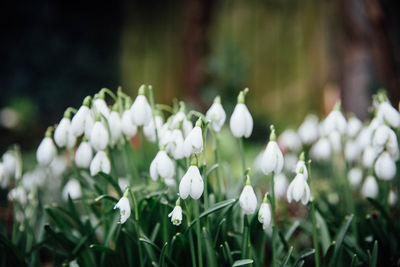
(389,113)
(162,166)
(192,183)
(100,163)
(272,160)
(216,114)
(264,213)
(248,199)
(83,155)
(128,128)
(141,113)
(193,143)
(241,122)
(176,214)
(124,207)
(99,136)
(385,167)
(299,189)
(114,122)
(100,106)
(46,151)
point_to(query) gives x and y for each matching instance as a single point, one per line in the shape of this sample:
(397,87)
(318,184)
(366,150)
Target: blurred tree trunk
(367,54)
(197,19)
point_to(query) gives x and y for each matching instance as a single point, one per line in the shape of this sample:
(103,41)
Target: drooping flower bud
(241,122)
(124,207)
(100,163)
(272,160)
(141,113)
(193,143)
(47,150)
(216,114)
(192,183)
(299,189)
(370,187)
(83,155)
(99,137)
(385,167)
(176,214)
(248,199)
(264,214)
(162,166)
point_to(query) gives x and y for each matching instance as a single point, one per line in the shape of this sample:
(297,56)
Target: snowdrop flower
(370,187)
(18,194)
(355,177)
(72,189)
(385,137)
(128,128)
(150,131)
(301,166)
(216,114)
(83,155)
(62,131)
(3,178)
(364,138)
(248,199)
(123,183)
(100,163)
(193,143)
(290,140)
(99,137)
(89,124)
(47,150)
(308,130)
(264,214)
(58,165)
(353,126)
(385,167)
(115,124)
(241,122)
(392,198)
(141,113)
(175,144)
(176,214)
(191,184)
(124,207)
(10,162)
(335,121)
(352,151)
(369,156)
(321,150)
(100,105)
(179,120)
(280,185)
(272,158)
(335,140)
(299,189)
(79,120)
(389,113)
(162,166)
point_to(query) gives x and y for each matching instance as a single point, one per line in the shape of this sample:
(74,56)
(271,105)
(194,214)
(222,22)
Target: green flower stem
(217,161)
(198,233)
(315,234)
(137,227)
(130,166)
(110,93)
(245,238)
(274,227)
(151,98)
(242,155)
(204,169)
(191,243)
(142,144)
(350,201)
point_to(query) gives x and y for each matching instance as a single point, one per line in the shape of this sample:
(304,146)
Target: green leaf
(325,238)
(353,261)
(288,235)
(11,249)
(286,260)
(218,230)
(329,253)
(374,256)
(106,197)
(242,262)
(102,249)
(386,216)
(228,252)
(212,168)
(215,208)
(304,254)
(113,182)
(339,239)
(211,259)
(161,262)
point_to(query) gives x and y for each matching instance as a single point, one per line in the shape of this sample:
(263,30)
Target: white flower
(141,113)
(353,126)
(370,187)
(100,105)
(176,214)
(18,194)
(79,120)
(369,156)
(150,131)
(308,130)
(335,140)
(83,155)
(321,150)
(3,178)
(114,121)
(179,119)
(364,138)
(191,184)
(264,214)
(352,151)
(89,124)
(216,114)
(385,137)
(10,162)
(335,121)
(46,151)
(99,137)
(390,114)
(248,199)
(385,167)
(72,189)
(392,199)
(301,166)
(299,190)
(355,177)
(241,122)
(162,166)
(272,159)
(175,144)
(124,208)
(100,163)
(58,165)
(62,131)
(281,184)
(290,140)
(193,142)
(128,128)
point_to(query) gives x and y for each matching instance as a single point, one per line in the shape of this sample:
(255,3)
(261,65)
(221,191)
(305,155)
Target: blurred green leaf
(339,240)
(242,262)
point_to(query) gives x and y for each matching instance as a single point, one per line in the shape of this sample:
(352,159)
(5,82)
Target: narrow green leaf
(287,258)
(218,230)
(12,249)
(106,197)
(212,168)
(329,253)
(325,238)
(228,252)
(161,262)
(211,258)
(288,235)
(215,208)
(301,263)
(283,240)
(385,215)
(374,256)
(304,254)
(353,261)
(340,238)
(102,249)
(242,262)
(113,182)
(155,232)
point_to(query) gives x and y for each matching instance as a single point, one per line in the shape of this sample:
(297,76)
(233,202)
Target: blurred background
(295,56)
